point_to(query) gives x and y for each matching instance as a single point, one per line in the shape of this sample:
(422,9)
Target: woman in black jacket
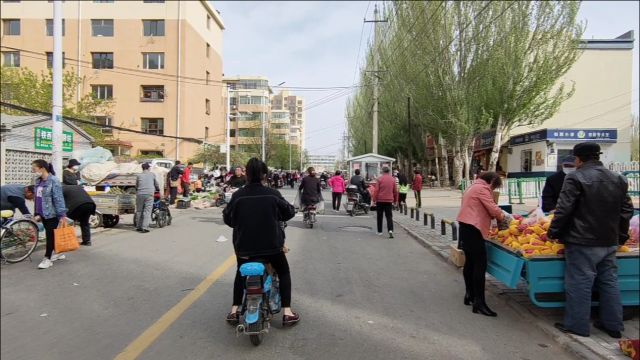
(80,208)
(255,213)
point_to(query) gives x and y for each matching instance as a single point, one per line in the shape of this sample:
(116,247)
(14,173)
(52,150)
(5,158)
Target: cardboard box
(456,256)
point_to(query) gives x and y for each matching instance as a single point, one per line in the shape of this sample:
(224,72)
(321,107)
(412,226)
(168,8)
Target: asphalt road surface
(164,295)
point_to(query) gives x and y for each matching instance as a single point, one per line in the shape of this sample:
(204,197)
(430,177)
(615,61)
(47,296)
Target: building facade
(599,110)
(322,162)
(159,61)
(295,105)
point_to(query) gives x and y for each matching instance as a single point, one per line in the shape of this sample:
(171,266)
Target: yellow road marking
(139,345)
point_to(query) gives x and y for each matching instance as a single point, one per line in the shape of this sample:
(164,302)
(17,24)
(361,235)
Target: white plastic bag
(296,201)
(534,217)
(320,207)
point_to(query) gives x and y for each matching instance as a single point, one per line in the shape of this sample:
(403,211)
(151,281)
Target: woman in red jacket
(476,212)
(338,187)
(416,186)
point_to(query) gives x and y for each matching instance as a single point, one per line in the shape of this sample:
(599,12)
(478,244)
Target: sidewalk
(599,345)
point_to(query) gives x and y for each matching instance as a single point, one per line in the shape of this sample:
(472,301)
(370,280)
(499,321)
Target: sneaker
(45,264)
(56,257)
(390,234)
(379,234)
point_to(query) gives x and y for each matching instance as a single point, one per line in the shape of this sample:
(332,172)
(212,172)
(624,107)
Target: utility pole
(56,111)
(228,128)
(375,71)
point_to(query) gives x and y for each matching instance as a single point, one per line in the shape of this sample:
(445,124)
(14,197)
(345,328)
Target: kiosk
(370,165)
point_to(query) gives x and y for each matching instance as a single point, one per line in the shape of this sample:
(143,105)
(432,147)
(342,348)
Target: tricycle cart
(544,275)
(109,207)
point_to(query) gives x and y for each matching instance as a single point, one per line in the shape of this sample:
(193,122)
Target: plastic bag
(506,221)
(634,230)
(296,201)
(534,217)
(94,155)
(320,206)
(65,238)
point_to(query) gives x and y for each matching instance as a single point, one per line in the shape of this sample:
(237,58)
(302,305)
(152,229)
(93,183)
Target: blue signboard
(596,135)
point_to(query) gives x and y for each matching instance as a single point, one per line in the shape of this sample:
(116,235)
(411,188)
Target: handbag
(65,238)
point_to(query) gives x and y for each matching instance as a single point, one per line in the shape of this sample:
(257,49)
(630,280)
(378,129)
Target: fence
(518,190)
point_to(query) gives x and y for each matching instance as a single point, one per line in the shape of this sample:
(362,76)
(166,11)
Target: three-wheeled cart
(109,207)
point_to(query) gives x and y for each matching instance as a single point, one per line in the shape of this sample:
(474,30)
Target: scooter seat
(252,269)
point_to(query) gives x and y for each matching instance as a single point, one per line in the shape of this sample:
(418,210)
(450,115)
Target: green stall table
(544,275)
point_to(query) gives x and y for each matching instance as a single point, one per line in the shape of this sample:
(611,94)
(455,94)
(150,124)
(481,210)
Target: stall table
(544,275)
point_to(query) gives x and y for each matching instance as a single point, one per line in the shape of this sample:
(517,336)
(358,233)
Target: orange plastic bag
(65,238)
(631,348)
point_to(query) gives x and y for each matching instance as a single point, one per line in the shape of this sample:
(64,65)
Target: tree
(35,91)
(635,138)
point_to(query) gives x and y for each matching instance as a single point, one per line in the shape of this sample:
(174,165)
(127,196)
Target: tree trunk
(466,156)
(497,144)
(445,165)
(457,165)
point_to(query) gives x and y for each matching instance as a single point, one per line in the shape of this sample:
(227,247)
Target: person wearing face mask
(71,175)
(553,185)
(50,208)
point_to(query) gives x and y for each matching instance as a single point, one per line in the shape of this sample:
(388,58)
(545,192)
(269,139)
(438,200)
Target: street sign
(43,139)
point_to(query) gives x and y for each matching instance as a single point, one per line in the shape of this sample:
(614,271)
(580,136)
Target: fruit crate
(544,275)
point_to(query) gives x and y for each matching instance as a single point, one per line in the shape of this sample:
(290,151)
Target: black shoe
(480,307)
(614,334)
(144,231)
(86,243)
(139,230)
(468,299)
(561,327)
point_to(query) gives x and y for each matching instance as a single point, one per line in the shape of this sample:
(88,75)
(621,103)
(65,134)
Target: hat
(586,149)
(145,166)
(569,160)
(74,162)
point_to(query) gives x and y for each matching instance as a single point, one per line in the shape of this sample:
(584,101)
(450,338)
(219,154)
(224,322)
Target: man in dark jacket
(358,181)
(174,180)
(80,208)
(255,213)
(592,219)
(553,184)
(13,196)
(310,190)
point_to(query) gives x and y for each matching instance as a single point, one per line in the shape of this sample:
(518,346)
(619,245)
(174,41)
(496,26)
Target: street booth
(370,165)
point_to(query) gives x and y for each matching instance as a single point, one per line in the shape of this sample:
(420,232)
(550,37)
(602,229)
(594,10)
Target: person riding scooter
(256,213)
(310,189)
(358,181)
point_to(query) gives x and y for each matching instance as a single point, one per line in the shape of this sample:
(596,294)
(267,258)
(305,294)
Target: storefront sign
(43,138)
(597,135)
(484,140)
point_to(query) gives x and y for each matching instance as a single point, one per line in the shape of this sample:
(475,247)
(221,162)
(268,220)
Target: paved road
(361,297)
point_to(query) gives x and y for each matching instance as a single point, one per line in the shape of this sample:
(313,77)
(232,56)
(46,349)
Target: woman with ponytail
(49,207)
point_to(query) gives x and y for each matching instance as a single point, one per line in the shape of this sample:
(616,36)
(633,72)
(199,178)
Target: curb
(566,342)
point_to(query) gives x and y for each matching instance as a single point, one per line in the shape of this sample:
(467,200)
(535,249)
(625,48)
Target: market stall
(523,253)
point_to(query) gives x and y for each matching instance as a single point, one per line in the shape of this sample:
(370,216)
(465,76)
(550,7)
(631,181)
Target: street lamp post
(228,128)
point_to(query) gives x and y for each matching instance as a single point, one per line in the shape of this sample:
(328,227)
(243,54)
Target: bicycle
(18,237)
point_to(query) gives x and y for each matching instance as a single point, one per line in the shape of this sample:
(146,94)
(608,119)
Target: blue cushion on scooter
(252,269)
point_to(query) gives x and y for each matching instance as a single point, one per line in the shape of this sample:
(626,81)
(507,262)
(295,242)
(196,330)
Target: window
(49,27)
(103,1)
(208,50)
(104,121)
(50,60)
(153,126)
(234,101)
(232,132)
(208,21)
(102,27)
(11,58)
(102,60)
(156,153)
(153,60)
(249,133)
(207,77)
(526,158)
(102,92)
(279,126)
(11,27)
(253,100)
(154,1)
(207,106)
(153,27)
(152,93)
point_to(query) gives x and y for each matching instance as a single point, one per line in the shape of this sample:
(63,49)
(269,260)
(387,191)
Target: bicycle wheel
(19,240)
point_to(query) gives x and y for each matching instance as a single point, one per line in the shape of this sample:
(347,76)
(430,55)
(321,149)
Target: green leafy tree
(26,88)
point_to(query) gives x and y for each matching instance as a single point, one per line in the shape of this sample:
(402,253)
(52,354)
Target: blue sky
(315,44)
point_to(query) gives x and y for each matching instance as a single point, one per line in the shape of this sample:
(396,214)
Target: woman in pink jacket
(338,186)
(476,212)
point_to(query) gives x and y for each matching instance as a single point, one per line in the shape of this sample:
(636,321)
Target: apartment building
(159,61)
(295,105)
(322,162)
(250,111)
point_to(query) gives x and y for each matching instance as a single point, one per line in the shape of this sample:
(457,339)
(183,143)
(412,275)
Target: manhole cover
(356,228)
